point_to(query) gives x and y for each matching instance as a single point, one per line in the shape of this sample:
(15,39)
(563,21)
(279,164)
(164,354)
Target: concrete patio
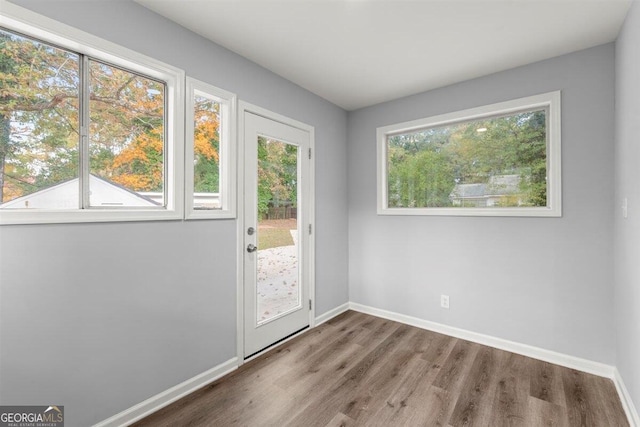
(278,279)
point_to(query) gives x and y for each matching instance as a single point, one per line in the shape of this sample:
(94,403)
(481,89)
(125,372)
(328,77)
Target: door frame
(243,108)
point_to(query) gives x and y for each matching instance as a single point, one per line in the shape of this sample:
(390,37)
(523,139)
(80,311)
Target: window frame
(550,101)
(227,150)
(22,21)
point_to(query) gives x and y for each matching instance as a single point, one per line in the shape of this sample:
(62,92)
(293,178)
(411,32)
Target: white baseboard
(572,362)
(625,398)
(160,400)
(328,315)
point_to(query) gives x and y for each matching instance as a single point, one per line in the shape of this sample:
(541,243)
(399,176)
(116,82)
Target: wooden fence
(284,212)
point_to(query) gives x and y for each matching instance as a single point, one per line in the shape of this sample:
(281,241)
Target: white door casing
(256,333)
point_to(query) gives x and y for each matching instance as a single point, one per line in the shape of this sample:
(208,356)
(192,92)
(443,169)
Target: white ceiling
(357,53)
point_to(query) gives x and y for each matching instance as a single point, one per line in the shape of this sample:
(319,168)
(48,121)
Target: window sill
(485,212)
(24,216)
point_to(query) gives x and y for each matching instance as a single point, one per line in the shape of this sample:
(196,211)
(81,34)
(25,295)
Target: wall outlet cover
(444,301)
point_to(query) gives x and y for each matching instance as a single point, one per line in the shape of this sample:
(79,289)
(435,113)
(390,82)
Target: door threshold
(275,344)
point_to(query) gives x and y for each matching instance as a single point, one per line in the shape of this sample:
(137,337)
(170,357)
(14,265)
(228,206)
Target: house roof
(67,194)
(468,190)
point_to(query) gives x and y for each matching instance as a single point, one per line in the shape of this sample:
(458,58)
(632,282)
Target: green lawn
(274,238)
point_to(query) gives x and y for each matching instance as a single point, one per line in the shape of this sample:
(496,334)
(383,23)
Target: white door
(276,231)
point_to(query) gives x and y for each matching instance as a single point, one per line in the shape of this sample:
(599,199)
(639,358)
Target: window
(210,152)
(87,129)
(497,160)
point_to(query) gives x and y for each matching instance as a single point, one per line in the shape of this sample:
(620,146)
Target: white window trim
(550,100)
(31,24)
(227,150)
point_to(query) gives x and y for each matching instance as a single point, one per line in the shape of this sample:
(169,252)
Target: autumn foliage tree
(126,128)
(206,145)
(40,123)
(277,173)
(39,114)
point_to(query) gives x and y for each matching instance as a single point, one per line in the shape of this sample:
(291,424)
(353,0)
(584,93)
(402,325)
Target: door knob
(251,248)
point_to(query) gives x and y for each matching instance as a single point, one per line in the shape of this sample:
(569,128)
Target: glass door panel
(278,290)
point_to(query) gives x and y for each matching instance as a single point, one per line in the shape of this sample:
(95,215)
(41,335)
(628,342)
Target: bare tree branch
(38,106)
(58,98)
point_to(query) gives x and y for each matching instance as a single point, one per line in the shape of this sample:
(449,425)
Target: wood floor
(362,370)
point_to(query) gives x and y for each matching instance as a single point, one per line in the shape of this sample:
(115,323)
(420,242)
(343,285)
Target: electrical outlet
(444,301)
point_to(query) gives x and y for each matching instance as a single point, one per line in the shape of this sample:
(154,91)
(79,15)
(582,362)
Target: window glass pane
(206,154)
(39,125)
(487,163)
(126,134)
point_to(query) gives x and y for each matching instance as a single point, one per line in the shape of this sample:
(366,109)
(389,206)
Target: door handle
(251,248)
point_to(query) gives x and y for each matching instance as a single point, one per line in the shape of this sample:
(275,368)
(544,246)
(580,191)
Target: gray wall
(98,317)
(545,282)
(627,180)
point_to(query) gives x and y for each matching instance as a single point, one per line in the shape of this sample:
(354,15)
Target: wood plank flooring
(358,370)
